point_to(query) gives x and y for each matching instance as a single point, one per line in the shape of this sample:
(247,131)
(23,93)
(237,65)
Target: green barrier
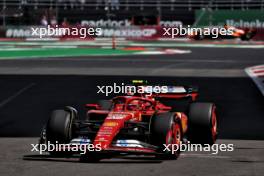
(238,18)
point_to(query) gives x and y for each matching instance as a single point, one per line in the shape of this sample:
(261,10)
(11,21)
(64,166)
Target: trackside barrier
(129,33)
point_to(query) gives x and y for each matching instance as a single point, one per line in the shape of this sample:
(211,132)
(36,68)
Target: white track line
(12,97)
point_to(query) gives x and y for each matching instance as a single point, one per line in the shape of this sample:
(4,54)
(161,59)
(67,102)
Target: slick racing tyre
(202,123)
(59,129)
(165,129)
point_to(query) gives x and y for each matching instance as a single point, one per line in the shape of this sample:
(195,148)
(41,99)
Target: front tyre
(166,130)
(202,123)
(59,129)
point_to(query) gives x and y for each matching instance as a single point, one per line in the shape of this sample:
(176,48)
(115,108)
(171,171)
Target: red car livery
(135,124)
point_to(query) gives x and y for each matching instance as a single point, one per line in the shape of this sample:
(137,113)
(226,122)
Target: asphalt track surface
(204,62)
(31,88)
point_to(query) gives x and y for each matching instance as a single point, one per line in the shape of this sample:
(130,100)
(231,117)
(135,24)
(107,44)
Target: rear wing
(165,91)
(171,92)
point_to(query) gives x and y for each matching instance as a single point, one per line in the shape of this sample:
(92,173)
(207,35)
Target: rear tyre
(165,129)
(202,123)
(59,130)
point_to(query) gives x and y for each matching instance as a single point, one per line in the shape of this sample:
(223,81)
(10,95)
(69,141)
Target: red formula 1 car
(135,124)
(245,34)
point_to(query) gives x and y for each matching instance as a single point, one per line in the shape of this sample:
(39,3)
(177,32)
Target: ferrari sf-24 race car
(135,124)
(245,34)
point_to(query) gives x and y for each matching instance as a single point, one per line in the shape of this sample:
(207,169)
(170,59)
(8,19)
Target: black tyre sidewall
(200,123)
(160,126)
(59,127)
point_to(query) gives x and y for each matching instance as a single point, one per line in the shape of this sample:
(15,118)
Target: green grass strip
(60,52)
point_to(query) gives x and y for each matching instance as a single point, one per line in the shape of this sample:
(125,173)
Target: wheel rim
(174,135)
(214,124)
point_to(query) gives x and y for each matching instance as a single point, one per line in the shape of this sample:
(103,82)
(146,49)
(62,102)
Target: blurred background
(16,16)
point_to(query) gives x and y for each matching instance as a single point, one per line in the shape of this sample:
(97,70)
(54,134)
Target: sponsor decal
(128,143)
(116,116)
(106,23)
(51,31)
(18,33)
(246,24)
(170,23)
(84,141)
(124,23)
(27,32)
(110,124)
(81,140)
(176,89)
(127,32)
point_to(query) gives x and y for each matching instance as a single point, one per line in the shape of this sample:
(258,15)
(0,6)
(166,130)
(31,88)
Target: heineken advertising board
(238,18)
